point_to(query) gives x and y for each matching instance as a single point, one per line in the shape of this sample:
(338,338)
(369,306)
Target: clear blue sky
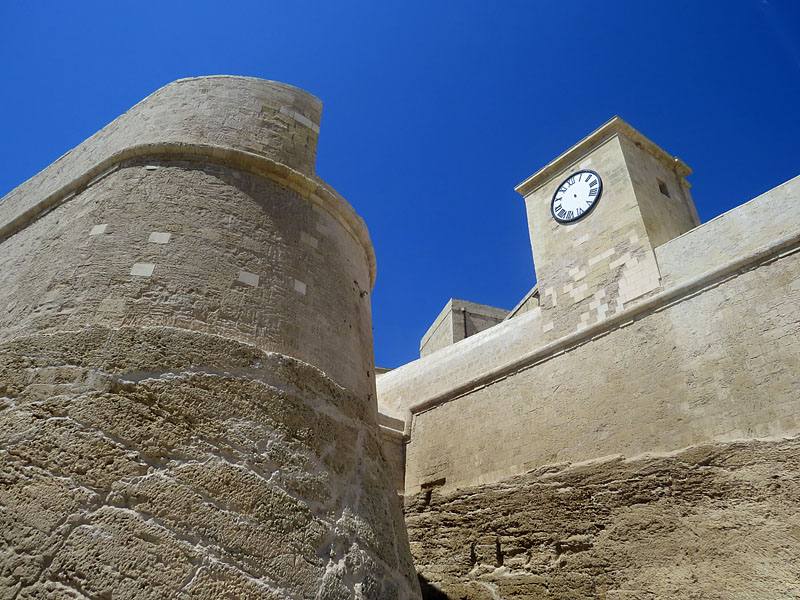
(434,110)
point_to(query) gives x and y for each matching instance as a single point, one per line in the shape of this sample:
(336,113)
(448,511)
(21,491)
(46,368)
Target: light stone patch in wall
(308,239)
(99,229)
(602,310)
(299,286)
(142,269)
(637,280)
(579,293)
(596,259)
(619,262)
(321,225)
(248,278)
(548,327)
(552,293)
(302,119)
(159,237)
(581,240)
(585,163)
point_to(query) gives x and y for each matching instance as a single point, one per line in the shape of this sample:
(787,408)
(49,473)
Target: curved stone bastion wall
(186,376)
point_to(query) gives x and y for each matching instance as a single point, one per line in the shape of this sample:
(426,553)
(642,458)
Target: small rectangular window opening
(663,187)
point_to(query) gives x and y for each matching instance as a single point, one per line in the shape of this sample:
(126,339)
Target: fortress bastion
(187,392)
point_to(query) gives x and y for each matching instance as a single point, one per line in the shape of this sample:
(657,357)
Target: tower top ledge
(244,122)
(613,128)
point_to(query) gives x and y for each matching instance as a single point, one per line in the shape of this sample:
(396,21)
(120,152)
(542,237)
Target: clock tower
(595,216)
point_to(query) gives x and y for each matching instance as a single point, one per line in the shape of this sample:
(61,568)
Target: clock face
(576,196)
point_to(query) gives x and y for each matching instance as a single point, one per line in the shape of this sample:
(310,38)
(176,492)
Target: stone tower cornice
(612,128)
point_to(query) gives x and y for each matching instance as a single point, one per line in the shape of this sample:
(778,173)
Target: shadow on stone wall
(429,592)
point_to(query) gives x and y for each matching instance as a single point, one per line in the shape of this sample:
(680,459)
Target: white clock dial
(576,196)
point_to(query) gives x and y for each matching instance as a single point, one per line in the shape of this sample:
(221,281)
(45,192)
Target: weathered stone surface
(713,521)
(716,365)
(259,479)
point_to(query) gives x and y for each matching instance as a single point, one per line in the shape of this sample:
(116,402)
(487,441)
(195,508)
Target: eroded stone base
(158,463)
(716,521)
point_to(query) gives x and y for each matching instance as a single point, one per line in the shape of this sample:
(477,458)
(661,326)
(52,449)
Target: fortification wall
(701,361)
(437,374)
(765,220)
(650,455)
(187,398)
(710,366)
(715,521)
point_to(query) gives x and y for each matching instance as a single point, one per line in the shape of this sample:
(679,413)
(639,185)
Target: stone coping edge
(534,291)
(315,190)
(568,342)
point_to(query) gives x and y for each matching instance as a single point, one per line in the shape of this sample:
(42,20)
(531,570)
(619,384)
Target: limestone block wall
(208,179)
(163,240)
(650,455)
(765,220)
(394,448)
(232,115)
(662,192)
(187,398)
(709,366)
